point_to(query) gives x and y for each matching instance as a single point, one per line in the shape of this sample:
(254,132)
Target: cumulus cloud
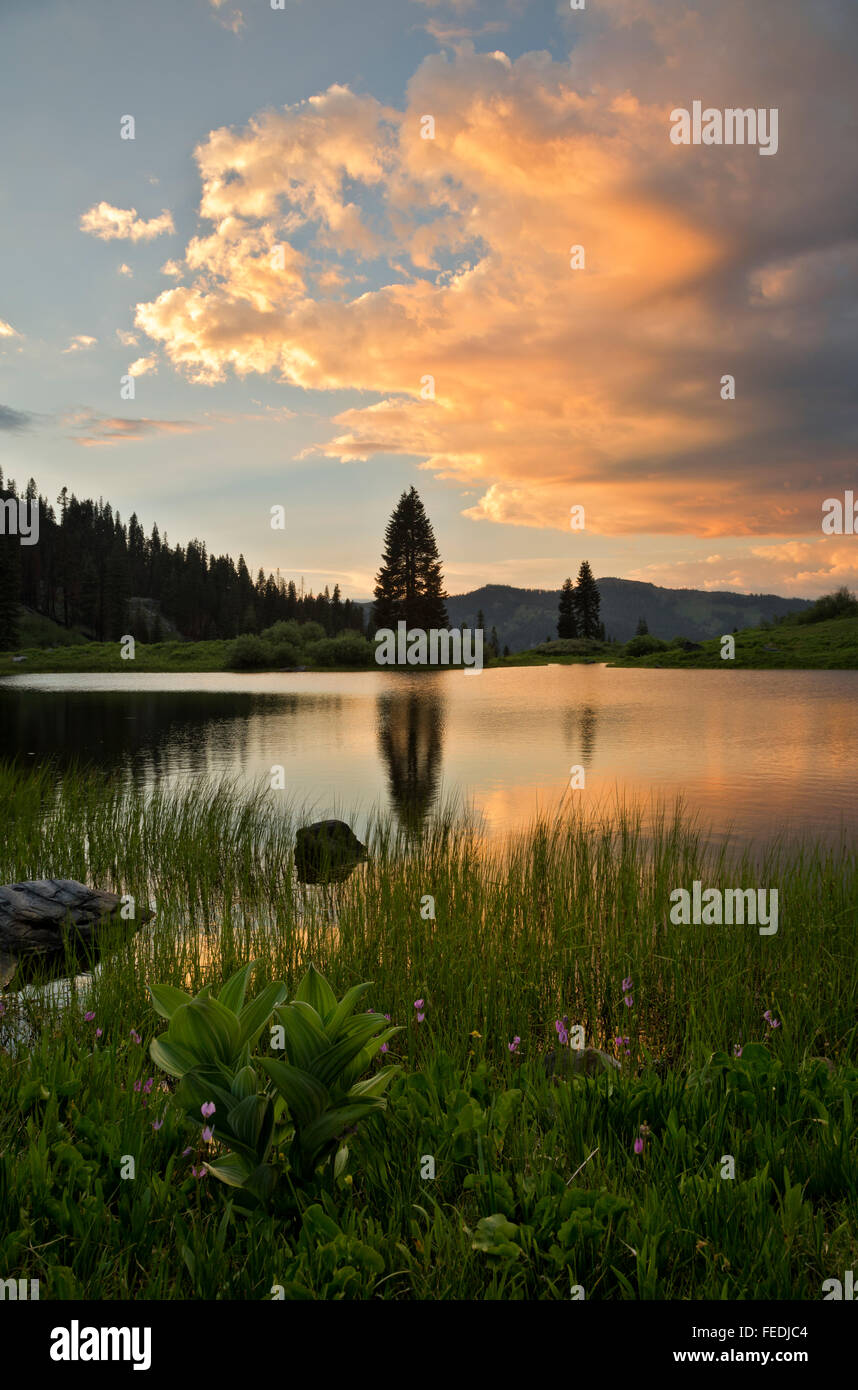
(114,224)
(794,568)
(555,386)
(143,365)
(127,339)
(80,343)
(7,331)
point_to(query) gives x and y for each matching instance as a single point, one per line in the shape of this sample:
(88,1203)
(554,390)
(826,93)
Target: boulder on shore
(37,917)
(327,850)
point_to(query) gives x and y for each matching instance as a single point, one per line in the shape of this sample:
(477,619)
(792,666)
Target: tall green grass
(545,924)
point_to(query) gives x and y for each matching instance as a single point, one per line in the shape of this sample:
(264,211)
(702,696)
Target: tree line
(88,564)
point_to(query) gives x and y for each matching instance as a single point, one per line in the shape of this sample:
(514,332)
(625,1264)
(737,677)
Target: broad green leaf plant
(303,1103)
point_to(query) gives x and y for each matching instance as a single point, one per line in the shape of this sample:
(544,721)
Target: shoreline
(823,646)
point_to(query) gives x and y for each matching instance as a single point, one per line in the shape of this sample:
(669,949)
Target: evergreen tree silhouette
(567,622)
(587,602)
(410,586)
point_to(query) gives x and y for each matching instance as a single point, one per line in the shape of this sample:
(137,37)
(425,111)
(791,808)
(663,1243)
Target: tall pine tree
(587,602)
(410,586)
(567,623)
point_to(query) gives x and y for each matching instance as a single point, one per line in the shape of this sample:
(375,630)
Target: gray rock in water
(327,850)
(579,1061)
(37,917)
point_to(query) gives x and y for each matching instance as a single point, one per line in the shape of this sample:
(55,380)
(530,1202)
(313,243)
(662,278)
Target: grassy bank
(162,657)
(824,646)
(95,657)
(821,637)
(537,1185)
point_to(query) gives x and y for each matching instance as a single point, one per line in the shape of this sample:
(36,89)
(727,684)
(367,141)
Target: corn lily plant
(308,1097)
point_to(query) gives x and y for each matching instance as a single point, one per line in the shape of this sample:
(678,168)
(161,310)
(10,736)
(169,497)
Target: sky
(335,260)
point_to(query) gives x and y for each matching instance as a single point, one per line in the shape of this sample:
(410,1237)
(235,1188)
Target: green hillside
(526,617)
(826,646)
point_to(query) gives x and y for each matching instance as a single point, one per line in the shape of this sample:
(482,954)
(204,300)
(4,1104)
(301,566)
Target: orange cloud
(92,430)
(143,365)
(800,568)
(552,386)
(79,343)
(111,224)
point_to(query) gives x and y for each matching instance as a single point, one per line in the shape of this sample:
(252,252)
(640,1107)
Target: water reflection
(755,754)
(585,719)
(410,738)
(136,729)
(74,957)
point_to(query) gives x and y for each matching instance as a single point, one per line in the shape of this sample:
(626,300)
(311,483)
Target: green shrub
(285,654)
(571,646)
(350,649)
(841,604)
(321,652)
(283,632)
(642,646)
(247,652)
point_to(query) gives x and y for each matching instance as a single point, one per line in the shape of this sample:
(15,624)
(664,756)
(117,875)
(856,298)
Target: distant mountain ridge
(525,617)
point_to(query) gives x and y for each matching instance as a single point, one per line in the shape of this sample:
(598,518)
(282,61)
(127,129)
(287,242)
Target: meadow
(730,1045)
(823,646)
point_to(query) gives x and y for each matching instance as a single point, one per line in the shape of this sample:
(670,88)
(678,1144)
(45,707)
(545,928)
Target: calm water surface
(755,753)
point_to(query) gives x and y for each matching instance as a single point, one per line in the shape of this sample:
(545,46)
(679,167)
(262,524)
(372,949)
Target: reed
(545,924)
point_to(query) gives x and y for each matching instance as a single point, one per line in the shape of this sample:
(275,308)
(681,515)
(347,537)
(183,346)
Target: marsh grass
(544,924)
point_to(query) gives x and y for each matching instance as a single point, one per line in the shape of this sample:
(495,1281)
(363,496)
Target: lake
(754,753)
